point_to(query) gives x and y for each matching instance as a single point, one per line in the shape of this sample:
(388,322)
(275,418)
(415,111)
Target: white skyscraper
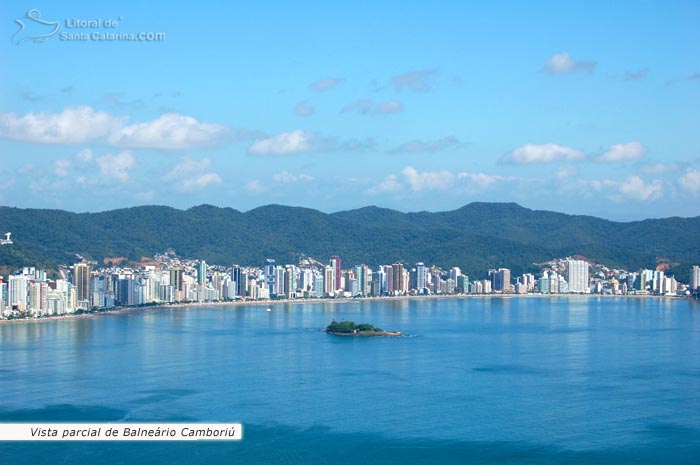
(695,278)
(578,276)
(18,291)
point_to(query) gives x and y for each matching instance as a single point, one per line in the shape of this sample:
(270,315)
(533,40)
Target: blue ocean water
(575,380)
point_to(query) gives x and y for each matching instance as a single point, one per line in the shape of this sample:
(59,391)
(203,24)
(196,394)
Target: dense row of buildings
(169,280)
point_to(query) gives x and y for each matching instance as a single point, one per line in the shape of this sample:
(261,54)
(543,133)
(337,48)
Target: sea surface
(567,380)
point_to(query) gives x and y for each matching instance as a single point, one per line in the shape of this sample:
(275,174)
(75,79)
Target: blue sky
(580,107)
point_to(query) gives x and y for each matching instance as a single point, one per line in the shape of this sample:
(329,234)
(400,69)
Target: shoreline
(367,334)
(315,300)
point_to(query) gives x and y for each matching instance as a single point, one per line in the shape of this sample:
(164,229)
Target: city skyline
(339,107)
(30,292)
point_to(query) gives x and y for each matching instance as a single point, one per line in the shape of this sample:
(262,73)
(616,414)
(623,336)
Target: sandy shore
(273,303)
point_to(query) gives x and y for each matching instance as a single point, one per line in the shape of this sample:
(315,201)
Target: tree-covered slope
(475,237)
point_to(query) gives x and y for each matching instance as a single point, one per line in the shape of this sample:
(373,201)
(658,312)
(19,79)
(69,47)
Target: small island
(349,328)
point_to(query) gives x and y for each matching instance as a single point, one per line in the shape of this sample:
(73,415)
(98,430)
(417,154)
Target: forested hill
(475,237)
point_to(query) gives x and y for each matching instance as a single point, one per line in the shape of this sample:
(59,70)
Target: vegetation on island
(475,237)
(350,327)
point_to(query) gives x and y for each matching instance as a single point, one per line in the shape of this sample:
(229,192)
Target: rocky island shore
(350,328)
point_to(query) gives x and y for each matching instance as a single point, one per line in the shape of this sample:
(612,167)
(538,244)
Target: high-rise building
(270,276)
(17,292)
(500,279)
(306,280)
(329,281)
(3,295)
(176,279)
(38,296)
(388,279)
(695,278)
(337,265)
(492,275)
(279,281)
(577,276)
(397,276)
(646,279)
(378,278)
(318,281)
(421,276)
(236,279)
(657,280)
(544,282)
(202,272)
(367,282)
(463,283)
(455,273)
(81,280)
(291,273)
(360,276)
(503,280)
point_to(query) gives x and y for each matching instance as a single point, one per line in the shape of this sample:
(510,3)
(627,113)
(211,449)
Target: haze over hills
(475,237)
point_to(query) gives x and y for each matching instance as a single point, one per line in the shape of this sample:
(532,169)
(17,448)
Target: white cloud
(389,184)
(74,125)
(297,142)
(416,81)
(636,189)
(483,180)
(690,181)
(49,186)
(563,63)
(171,131)
(29,168)
(584,188)
(369,107)
(437,181)
(428,145)
(255,186)
(284,143)
(636,75)
(659,168)
(287,177)
(325,84)
(189,174)
(7,184)
(115,168)
(79,125)
(623,152)
(632,188)
(428,180)
(84,156)
(61,167)
(201,181)
(543,153)
(363,107)
(391,106)
(83,159)
(304,109)
(146,196)
(565,172)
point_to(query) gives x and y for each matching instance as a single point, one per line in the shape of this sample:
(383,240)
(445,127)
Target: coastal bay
(574,379)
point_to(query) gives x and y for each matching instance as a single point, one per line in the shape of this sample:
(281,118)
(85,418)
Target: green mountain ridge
(474,237)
